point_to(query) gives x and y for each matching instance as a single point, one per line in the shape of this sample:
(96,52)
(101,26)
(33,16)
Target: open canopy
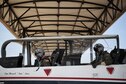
(73,44)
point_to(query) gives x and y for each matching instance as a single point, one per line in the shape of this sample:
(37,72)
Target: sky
(119,27)
(6,35)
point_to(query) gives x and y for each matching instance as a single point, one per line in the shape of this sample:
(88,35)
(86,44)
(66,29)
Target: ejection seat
(56,57)
(118,58)
(11,62)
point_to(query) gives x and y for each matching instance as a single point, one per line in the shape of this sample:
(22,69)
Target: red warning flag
(47,71)
(110,69)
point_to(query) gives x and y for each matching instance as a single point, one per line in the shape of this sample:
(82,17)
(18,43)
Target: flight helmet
(39,52)
(98,47)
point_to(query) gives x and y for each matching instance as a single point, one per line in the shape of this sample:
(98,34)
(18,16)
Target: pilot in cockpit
(102,57)
(41,59)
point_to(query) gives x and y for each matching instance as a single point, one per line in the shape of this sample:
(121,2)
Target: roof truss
(32,18)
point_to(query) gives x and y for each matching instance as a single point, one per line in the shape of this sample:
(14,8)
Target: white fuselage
(111,73)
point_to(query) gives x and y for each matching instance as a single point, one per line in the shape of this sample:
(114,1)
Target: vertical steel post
(91,51)
(28,54)
(66,47)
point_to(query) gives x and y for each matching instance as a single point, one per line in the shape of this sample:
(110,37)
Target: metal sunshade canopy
(43,18)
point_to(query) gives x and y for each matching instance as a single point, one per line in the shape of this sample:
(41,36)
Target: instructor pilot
(41,59)
(102,57)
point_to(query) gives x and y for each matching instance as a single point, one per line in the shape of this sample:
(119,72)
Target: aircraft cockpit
(58,51)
